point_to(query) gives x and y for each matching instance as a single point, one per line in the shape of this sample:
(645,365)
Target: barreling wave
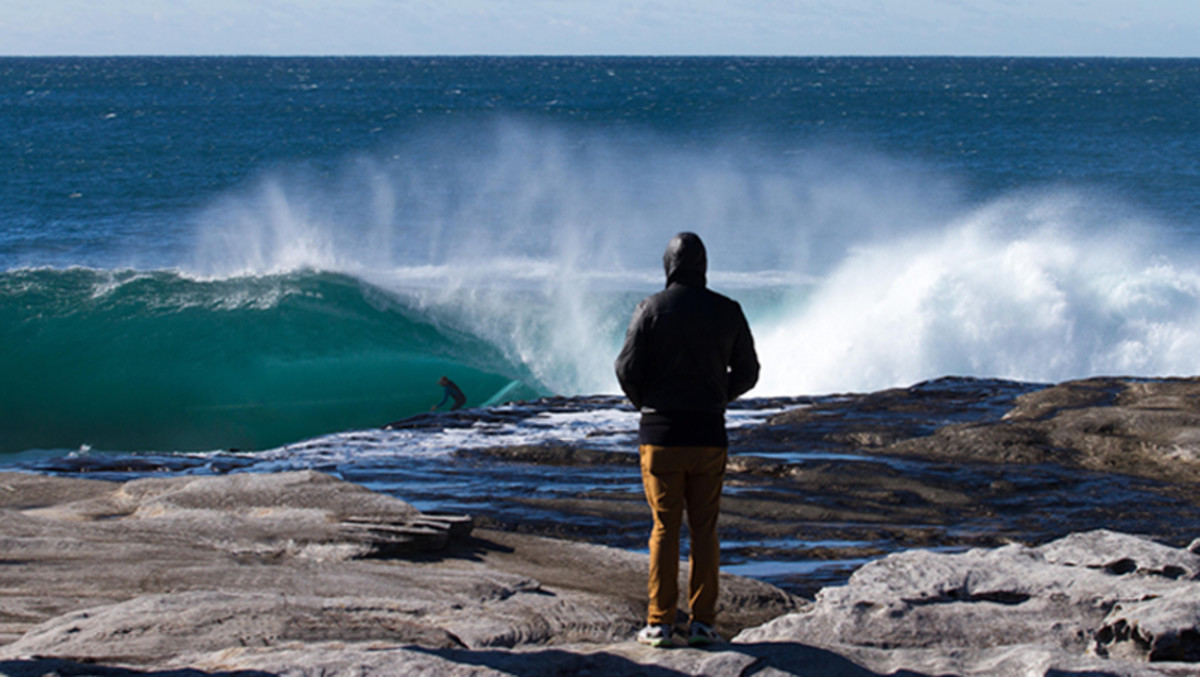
(512,264)
(132,360)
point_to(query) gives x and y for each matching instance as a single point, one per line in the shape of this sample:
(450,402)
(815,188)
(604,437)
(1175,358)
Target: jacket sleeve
(631,362)
(743,363)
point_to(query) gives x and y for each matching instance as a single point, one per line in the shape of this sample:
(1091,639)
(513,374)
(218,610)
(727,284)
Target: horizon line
(591,56)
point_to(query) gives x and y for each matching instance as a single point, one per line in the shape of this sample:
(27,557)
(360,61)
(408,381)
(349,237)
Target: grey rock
(1163,628)
(1147,428)
(99,577)
(1119,553)
(1012,610)
(285,575)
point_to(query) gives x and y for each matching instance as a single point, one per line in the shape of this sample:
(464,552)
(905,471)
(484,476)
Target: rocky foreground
(301,573)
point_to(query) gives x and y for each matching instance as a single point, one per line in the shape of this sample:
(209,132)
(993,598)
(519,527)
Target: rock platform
(999,529)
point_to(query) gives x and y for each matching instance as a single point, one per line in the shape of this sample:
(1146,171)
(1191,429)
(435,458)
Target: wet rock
(1143,427)
(824,483)
(1132,426)
(461,418)
(878,419)
(551,454)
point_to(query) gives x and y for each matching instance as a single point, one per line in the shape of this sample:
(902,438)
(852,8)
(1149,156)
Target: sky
(1149,28)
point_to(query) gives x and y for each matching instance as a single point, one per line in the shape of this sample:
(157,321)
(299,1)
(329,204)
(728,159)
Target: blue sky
(635,27)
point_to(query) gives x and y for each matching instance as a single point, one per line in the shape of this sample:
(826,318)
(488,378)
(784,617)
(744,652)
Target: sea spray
(859,271)
(540,239)
(1041,288)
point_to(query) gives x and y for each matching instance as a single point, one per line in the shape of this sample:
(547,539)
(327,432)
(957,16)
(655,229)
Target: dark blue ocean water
(243,252)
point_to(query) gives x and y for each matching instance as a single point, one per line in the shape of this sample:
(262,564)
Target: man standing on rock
(688,353)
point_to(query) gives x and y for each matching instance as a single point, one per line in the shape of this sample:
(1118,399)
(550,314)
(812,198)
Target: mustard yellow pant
(676,478)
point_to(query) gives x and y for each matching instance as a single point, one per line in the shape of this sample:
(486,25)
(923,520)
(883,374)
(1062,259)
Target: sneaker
(702,634)
(656,636)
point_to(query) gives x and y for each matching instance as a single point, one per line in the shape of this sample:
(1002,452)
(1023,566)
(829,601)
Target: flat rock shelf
(958,526)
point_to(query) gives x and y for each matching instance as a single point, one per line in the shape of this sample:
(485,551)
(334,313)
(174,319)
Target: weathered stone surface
(1122,554)
(501,603)
(1143,427)
(1090,595)
(153,627)
(1132,426)
(628,658)
(306,512)
(1165,628)
(142,573)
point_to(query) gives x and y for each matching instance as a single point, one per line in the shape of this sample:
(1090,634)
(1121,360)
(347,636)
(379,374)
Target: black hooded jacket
(688,353)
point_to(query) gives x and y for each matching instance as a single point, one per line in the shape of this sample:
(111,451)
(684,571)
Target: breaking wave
(510,257)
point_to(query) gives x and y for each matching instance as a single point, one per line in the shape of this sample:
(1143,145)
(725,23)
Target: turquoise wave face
(135,361)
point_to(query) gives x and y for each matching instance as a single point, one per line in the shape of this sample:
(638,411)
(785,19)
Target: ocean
(213,254)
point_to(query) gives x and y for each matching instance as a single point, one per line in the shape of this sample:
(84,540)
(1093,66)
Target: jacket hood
(686,260)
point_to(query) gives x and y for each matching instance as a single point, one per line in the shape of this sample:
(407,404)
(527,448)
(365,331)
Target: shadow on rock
(631,659)
(39,667)
(473,549)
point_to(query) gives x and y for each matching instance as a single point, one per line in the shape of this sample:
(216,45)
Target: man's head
(685,260)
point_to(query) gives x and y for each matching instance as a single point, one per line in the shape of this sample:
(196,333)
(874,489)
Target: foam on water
(1035,288)
(606,428)
(602,425)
